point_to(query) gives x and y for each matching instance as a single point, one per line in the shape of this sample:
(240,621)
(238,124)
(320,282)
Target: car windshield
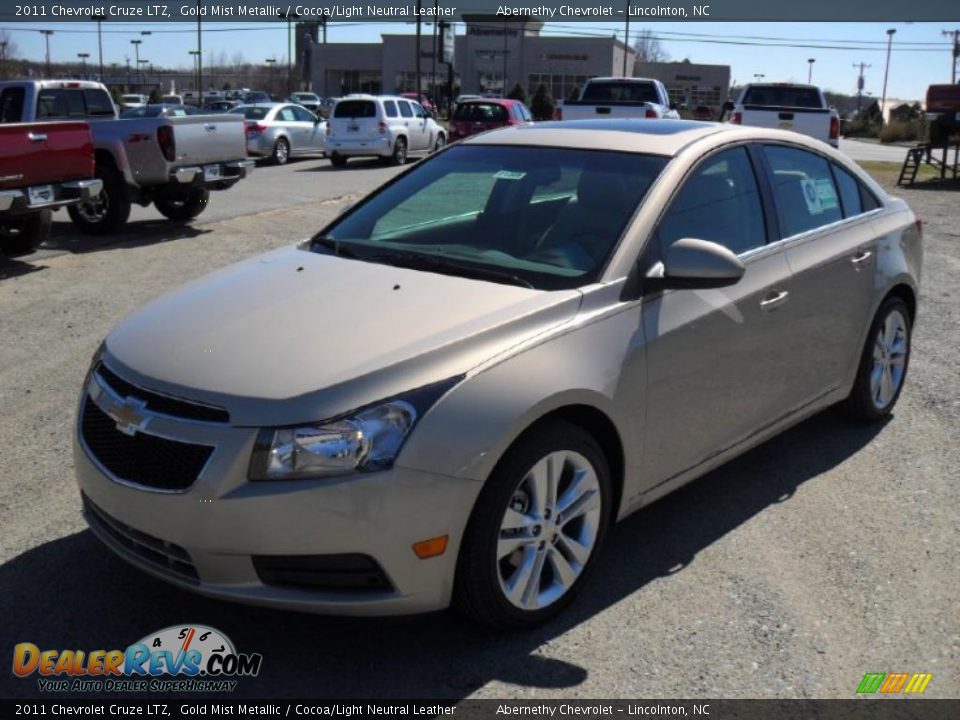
(251,112)
(782,96)
(355,109)
(480,112)
(307,97)
(620,92)
(544,217)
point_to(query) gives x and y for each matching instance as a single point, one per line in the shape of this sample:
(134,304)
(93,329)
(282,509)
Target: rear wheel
(107,212)
(185,206)
(883,363)
(23,235)
(536,530)
(399,156)
(281,152)
(338,160)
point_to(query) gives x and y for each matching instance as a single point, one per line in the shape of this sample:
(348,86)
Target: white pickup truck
(619,97)
(788,106)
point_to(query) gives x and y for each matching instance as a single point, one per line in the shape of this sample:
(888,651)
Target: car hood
(295,336)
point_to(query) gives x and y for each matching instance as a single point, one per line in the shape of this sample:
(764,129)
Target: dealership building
(490,58)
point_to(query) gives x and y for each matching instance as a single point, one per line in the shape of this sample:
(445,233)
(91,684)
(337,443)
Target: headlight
(365,440)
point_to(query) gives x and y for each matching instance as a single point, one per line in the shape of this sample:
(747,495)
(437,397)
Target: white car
(381,126)
(132,101)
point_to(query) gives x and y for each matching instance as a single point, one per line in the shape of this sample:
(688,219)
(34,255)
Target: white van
(384,126)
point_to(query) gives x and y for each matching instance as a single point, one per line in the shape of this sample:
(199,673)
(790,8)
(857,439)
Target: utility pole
(100,17)
(3,59)
(136,46)
(417,88)
(270,63)
(886,72)
(955,53)
(810,62)
(47,34)
(433,66)
(199,57)
(83,58)
(626,37)
(860,84)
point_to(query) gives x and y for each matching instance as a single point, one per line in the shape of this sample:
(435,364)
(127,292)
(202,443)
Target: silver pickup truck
(172,162)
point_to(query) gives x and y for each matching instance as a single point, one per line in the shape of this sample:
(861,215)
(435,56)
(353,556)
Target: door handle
(37,137)
(774,300)
(861,257)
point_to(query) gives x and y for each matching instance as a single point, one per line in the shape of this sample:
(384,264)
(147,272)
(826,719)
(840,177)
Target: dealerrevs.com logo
(181,658)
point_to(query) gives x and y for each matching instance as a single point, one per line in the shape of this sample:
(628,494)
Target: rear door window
(286,114)
(804,190)
(11,105)
(390,108)
(355,109)
(405,110)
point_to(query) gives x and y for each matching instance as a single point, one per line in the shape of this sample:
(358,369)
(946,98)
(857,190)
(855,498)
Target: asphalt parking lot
(826,553)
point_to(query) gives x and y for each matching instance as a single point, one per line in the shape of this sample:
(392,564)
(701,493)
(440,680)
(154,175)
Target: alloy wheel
(549,530)
(889,359)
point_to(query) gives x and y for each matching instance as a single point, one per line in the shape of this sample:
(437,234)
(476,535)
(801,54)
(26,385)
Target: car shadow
(352,164)
(14,267)
(934,184)
(72,593)
(65,238)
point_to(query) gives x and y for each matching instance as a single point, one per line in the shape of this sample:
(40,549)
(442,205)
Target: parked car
(524,339)
(326,106)
(474,116)
(255,97)
(160,110)
(280,131)
(132,101)
(423,100)
(172,99)
(43,166)
(381,126)
(619,97)
(172,162)
(703,113)
(308,100)
(787,106)
(943,112)
(220,106)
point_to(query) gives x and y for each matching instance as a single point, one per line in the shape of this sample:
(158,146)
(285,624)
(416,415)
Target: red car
(475,116)
(423,100)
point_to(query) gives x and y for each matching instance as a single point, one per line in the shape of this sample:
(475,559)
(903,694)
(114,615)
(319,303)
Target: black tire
(399,156)
(440,143)
(281,152)
(183,207)
(23,235)
(109,211)
(338,160)
(861,403)
(477,585)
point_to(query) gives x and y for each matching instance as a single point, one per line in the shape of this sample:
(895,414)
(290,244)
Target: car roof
(488,101)
(654,137)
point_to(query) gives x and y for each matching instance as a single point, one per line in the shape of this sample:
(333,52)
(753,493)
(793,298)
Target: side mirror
(700,264)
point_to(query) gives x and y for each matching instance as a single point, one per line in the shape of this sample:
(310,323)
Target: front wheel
(536,530)
(883,363)
(184,206)
(23,235)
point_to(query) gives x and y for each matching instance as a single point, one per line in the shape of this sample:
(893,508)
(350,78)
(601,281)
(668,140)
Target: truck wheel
(338,160)
(107,212)
(185,206)
(23,235)
(281,152)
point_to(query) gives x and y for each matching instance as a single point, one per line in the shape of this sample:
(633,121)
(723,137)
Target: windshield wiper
(436,263)
(338,248)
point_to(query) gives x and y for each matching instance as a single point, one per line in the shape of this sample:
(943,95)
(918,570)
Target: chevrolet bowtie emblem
(129,415)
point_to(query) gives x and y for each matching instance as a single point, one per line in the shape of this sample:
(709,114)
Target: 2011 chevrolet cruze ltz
(451,391)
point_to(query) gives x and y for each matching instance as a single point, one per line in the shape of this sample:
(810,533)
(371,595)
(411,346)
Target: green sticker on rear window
(509,175)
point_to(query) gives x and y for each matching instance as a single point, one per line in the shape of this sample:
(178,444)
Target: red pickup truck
(943,112)
(43,166)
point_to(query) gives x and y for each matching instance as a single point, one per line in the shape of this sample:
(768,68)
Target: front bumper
(228,173)
(65,193)
(210,537)
(356,147)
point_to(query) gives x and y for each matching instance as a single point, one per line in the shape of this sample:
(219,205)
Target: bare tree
(648,47)
(8,49)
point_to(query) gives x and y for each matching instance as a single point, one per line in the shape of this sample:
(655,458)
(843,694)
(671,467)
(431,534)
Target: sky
(912,66)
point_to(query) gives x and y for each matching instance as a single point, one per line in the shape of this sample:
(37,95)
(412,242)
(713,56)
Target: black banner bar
(707,709)
(645,11)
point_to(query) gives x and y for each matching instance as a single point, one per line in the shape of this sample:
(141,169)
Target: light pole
(196,57)
(626,36)
(199,57)
(83,58)
(136,48)
(270,63)
(47,34)
(3,59)
(810,62)
(142,63)
(100,17)
(886,72)
(758,76)
(290,17)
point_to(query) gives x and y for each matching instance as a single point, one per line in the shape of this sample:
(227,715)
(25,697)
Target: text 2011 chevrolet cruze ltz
(451,391)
